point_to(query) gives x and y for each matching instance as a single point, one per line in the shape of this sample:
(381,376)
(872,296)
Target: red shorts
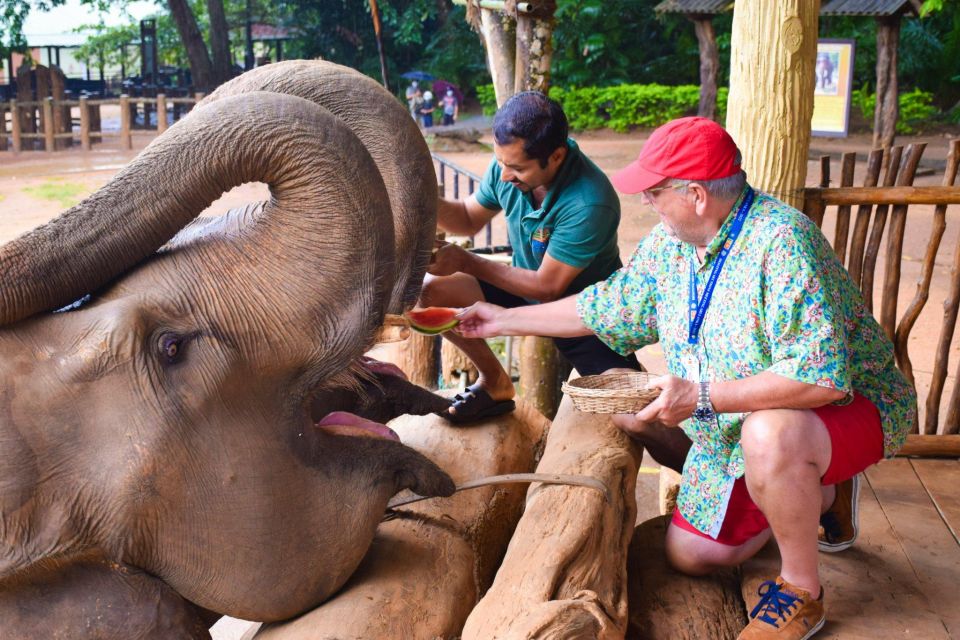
(857,441)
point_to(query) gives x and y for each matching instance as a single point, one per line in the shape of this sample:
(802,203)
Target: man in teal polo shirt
(562,216)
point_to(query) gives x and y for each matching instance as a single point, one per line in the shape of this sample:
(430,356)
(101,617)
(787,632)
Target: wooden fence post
(84,124)
(419,359)
(49,126)
(161,113)
(3,127)
(15,127)
(126,140)
(538,374)
(197,97)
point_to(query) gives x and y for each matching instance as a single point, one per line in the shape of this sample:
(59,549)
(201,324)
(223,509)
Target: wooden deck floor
(901,578)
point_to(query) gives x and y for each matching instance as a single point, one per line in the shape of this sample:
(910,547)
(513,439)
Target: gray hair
(728,188)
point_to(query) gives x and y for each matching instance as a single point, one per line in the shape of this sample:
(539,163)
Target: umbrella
(423,76)
(440,89)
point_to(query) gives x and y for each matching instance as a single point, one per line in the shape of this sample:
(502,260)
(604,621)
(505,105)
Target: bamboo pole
(3,127)
(126,140)
(773,51)
(161,113)
(375,14)
(886,195)
(15,133)
(84,124)
(48,125)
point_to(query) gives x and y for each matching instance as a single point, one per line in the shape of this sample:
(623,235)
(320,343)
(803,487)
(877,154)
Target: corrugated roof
(868,7)
(694,6)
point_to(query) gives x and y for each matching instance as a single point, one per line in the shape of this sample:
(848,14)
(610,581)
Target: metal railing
(459,174)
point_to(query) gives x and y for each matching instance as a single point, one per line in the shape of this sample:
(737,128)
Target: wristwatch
(704,410)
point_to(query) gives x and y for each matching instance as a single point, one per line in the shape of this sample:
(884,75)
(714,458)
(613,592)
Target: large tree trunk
(498,33)
(887,108)
(219,42)
(709,65)
(200,66)
(773,52)
(534,49)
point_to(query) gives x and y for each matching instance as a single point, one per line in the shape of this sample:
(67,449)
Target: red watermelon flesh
(432,320)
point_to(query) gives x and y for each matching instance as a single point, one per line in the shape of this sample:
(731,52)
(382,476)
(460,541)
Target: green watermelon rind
(432,331)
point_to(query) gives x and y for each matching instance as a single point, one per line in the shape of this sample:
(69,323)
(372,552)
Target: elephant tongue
(347,424)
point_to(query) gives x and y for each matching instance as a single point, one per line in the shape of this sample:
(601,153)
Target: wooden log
(15,135)
(928,446)
(427,568)
(876,230)
(49,142)
(950,306)
(898,225)
(847,166)
(417,356)
(859,241)
(539,363)
(126,140)
(773,50)
(668,488)
(61,114)
(665,603)
(84,124)
(161,113)
(888,107)
(564,575)
(886,195)
(534,49)
(28,115)
(922,294)
(501,46)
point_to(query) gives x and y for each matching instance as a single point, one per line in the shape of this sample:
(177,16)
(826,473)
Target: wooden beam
(943,446)
(498,5)
(885,195)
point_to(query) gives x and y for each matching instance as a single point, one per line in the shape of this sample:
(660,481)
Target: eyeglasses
(655,190)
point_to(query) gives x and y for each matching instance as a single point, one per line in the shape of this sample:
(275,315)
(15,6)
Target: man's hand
(676,402)
(448,259)
(480,321)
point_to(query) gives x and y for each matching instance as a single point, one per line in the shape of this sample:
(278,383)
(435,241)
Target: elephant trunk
(319,174)
(389,134)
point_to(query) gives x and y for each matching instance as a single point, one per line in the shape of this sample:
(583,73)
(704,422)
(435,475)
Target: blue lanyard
(698,309)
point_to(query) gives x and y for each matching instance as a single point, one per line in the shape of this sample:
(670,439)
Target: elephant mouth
(343,423)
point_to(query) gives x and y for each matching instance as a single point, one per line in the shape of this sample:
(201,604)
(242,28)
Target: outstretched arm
(463,217)
(555,319)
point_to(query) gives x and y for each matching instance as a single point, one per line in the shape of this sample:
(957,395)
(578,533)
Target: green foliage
(627,105)
(487,98)
(916,108)
(66,194)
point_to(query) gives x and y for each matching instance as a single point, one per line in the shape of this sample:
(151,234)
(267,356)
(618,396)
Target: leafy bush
(916,108)
(620,107)
(487,98)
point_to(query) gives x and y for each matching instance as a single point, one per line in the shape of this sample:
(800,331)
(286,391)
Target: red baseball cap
(691,148)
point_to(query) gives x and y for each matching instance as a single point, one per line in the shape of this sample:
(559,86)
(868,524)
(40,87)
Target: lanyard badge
(697,308)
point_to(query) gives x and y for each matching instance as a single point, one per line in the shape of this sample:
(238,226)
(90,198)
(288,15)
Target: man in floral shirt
(779,375)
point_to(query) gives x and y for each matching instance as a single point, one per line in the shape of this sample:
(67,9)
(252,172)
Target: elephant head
(165,423)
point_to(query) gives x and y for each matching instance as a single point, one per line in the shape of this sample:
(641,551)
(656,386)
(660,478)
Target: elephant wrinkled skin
(165,431)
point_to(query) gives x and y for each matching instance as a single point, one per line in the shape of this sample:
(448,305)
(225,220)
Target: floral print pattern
(783,303)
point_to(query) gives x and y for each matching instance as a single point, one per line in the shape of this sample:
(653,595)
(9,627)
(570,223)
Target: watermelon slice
(432,320)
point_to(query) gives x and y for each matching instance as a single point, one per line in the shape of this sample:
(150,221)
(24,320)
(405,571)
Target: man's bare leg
(462,290)
(785,453)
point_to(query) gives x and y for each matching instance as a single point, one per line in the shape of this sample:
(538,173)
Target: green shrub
(622,106)
(916,108)
(487,98)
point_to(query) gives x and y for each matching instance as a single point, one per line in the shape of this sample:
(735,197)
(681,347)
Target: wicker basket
(611,392)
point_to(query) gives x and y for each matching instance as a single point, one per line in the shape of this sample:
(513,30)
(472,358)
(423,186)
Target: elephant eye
(171,347)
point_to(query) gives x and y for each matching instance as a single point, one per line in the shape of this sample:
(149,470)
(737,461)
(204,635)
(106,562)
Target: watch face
(702,413)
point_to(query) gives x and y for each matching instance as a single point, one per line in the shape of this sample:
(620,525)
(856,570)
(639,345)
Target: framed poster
(833,80)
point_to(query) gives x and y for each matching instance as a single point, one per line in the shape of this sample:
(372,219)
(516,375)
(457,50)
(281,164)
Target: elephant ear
(389,134)
(325,233)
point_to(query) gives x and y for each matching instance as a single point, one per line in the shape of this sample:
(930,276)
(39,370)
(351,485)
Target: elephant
(173,445)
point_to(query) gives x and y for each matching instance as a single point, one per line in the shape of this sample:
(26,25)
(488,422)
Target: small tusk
(513,478)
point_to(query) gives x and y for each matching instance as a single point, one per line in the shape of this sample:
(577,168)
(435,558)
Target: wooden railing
(55,123)
(884,211)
